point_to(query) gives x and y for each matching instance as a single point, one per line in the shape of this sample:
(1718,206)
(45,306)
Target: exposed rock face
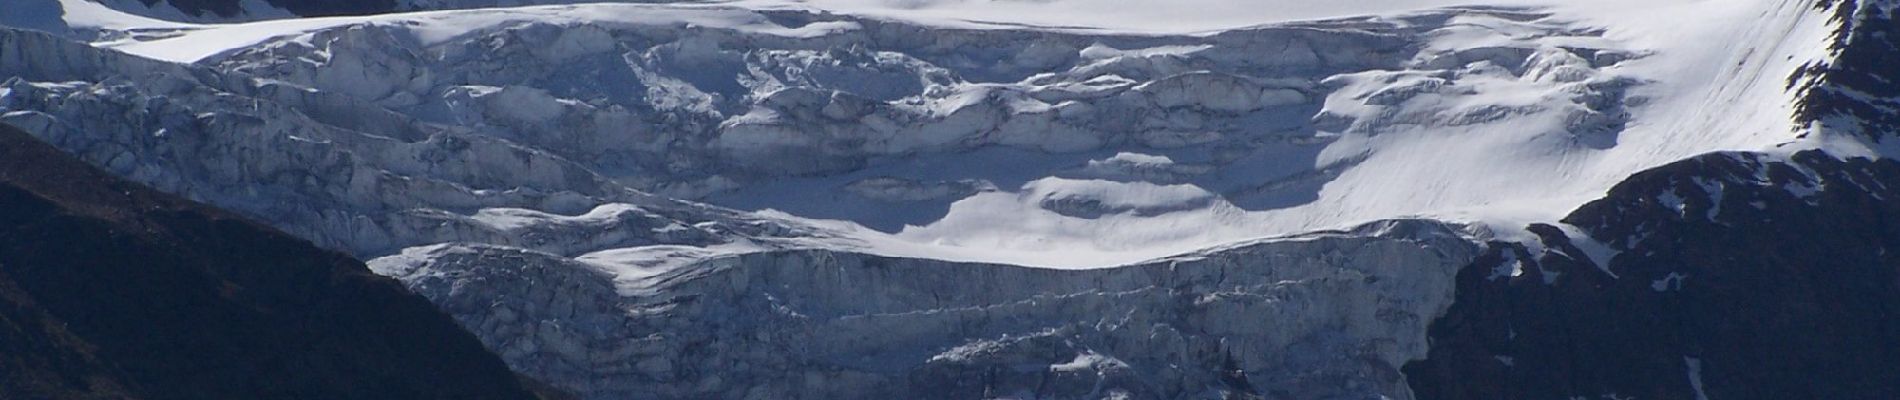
(1740,276)
(1855,92)
(244,10)
(110,290)
(1323,316)
(1729,275)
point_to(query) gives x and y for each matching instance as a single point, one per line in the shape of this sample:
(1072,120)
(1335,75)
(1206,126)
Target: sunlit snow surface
(1498,119)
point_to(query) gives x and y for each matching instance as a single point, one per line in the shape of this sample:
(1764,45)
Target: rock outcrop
(1732,275)
(1735,276)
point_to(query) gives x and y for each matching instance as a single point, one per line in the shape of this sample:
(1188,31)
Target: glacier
(754,109)
(850,199)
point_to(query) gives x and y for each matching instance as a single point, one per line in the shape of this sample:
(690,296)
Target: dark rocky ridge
(1740,275)
(1728,280)
(233,10)
(109,290)
(1857,89)
(230,9)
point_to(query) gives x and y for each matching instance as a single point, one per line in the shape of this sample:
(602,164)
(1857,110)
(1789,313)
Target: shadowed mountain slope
(109,290)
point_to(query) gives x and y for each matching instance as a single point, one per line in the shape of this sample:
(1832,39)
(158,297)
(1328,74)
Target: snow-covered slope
(637,153)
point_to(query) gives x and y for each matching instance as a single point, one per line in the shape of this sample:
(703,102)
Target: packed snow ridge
(588,186)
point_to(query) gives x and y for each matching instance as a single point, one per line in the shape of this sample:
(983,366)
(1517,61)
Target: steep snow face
(946,138)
